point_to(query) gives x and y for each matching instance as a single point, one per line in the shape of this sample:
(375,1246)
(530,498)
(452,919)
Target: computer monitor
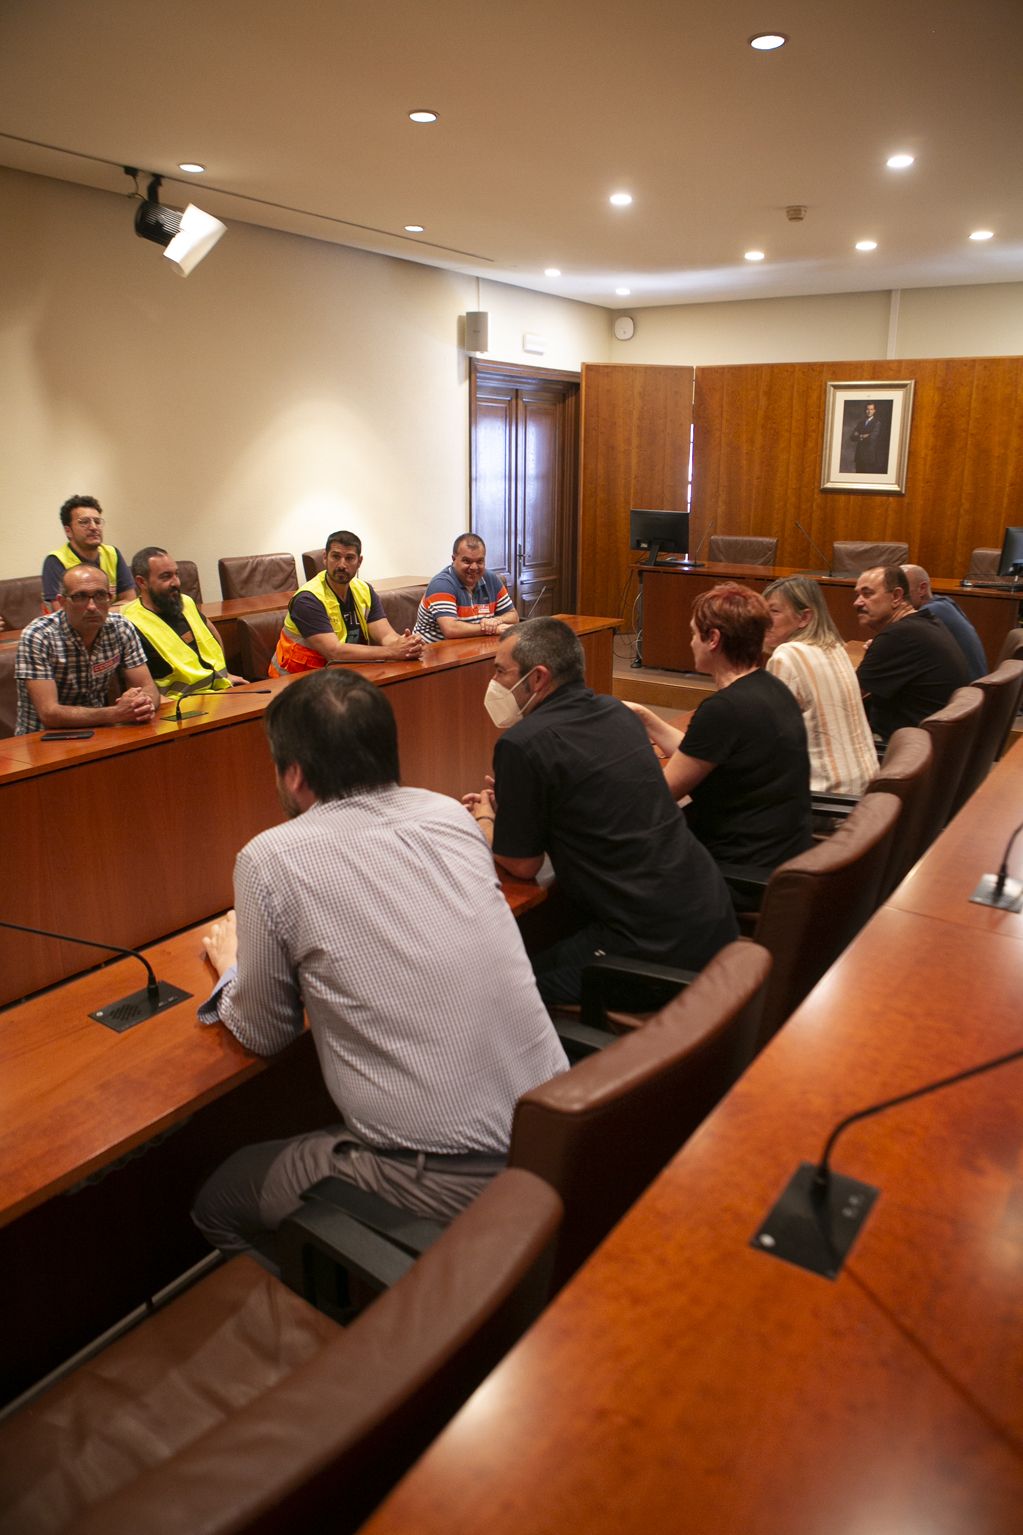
(657,532)
(1011,560)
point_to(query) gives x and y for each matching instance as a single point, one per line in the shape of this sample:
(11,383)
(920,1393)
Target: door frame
(516,375)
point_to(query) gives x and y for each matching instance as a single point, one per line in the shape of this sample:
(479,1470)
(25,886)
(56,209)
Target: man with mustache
(182,649)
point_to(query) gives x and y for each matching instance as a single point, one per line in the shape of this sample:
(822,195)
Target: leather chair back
(258,634)
(21,600)
(249,575)
(1012,647)
(850,557)
(814,905)
(239,1408)
(401,606)
(953,732)
(601,1132)
(1001,689)
(906,772)
(313,561)
(188,572)
(984,562)
(8,690)
(742,549)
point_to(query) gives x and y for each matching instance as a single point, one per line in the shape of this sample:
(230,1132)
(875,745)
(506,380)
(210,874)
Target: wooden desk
(686,1382)
(668,593)
(155,814)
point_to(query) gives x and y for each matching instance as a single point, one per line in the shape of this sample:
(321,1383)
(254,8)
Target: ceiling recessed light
(623,292)
(414,229)
(754,256)
(983,234)
(866,245)
(620,199)
(192,167)
(552,271)
(423,116)
(766,42)
(899,162)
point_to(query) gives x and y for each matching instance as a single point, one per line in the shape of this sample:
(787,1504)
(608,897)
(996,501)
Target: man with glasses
(69,662)
(82,517)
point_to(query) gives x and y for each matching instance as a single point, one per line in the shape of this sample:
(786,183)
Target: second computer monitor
(659,533)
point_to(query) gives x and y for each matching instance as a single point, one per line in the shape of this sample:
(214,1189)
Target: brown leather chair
(1012,647)
(1001,689)
(953,732)
(742,549)
(21,600)
(401,605)
(8,690)
(599,1133)
(815,904)
(313,561)
(906,772)
(258,634)
(249,575)
(852,557)
(984,562)
(188,574)
(239,1408)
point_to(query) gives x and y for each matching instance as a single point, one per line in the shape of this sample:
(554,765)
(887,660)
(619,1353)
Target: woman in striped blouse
(806,652)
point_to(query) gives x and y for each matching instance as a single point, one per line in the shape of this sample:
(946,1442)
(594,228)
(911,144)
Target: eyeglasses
(89,522)
(82,599)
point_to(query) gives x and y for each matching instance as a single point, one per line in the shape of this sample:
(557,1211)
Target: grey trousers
(240,1207)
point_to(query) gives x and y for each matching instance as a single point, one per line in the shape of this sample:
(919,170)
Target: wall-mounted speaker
(477,330)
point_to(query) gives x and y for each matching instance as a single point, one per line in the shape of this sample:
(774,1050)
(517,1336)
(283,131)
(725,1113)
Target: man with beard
(82,520)
(374,913)
(182,649)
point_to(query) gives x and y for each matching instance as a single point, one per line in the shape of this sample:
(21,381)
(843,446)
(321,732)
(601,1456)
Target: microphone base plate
(814,1229)
(1009,899)
(129,1011)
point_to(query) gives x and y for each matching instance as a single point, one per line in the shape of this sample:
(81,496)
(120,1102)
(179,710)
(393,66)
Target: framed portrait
(866,436)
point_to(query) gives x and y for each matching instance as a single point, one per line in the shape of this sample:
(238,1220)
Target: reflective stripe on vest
(190,672)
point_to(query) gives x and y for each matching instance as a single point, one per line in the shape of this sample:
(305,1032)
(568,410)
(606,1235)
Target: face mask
(500,704)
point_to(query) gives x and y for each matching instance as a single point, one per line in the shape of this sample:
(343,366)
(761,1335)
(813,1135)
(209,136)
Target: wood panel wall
(634,451)
(758,440)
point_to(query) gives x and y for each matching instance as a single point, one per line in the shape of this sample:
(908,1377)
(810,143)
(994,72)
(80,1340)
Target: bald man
(925,600)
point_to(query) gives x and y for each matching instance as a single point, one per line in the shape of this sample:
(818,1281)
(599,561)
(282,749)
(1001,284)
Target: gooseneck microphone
(202,686)
(536,603)
(818,1216)
(695,562)
(155,997)
(827,571)
(998,889)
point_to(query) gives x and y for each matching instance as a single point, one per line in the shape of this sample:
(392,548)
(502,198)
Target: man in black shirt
(574,778)
(913,665)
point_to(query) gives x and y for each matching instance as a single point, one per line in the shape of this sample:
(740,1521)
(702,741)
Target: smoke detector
(795,213)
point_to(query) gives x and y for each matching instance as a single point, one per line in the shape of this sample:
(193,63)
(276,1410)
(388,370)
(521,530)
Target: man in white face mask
(575,779)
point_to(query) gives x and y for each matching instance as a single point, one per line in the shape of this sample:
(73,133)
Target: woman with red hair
(743,761)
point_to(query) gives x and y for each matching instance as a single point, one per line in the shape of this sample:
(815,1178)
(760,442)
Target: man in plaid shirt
(67,661)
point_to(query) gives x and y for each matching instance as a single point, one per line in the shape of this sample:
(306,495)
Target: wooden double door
(524,450)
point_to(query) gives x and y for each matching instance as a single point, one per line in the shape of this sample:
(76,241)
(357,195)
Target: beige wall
(924,322)
(286,388)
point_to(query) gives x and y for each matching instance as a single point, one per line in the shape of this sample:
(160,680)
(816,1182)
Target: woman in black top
(743,760)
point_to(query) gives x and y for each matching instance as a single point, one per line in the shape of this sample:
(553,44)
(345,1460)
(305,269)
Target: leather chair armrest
(615,984)
(340,1233)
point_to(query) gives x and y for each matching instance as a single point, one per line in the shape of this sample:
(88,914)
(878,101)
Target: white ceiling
(299,110)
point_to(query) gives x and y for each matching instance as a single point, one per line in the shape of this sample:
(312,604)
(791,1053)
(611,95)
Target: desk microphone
(155,997)
(818,1216)
(692,564)
(202,686)
(536,604)
(827,571)
(998,889)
